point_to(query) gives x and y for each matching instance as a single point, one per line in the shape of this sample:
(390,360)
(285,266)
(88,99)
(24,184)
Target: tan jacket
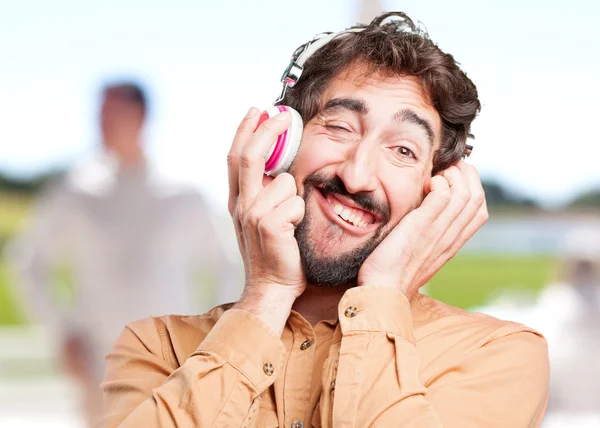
(387,362)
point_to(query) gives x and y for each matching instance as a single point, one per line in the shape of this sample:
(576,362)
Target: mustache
(335,185)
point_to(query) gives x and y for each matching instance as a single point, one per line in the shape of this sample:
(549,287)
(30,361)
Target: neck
(131,158)
(129,154)
(319,303)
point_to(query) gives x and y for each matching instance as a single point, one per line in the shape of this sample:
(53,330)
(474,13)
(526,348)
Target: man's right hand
(265,212)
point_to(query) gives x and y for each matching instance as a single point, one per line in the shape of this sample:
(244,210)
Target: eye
(337,128)
(405,152)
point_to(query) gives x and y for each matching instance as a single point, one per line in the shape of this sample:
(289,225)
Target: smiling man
(331,329)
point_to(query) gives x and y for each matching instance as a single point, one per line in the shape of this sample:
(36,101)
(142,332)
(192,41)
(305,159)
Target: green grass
(471,280)
(13,212)
(11,312)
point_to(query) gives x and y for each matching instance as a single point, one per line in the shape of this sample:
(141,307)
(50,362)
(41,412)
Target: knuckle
(251,218)
(298,202)
(440,181)
(264,227)
(246,160)
(473,169)
(445,195)
(231,159)
(287,180)
(240,217)
(453,169)
(479,199)
(482,216)
(464,195)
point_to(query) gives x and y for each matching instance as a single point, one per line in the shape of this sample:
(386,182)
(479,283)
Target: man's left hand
(425,239)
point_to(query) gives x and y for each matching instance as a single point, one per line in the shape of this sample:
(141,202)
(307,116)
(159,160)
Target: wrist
(271,305)
(387,281)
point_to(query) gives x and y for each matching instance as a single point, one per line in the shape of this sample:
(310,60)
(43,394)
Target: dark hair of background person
(130,92)
(396,49)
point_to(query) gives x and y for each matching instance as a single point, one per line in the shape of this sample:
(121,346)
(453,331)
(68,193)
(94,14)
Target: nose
(358,171)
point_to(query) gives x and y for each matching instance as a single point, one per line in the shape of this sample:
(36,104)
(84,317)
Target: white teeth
(348,215)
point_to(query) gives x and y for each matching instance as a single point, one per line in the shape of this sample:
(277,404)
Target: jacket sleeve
(503,383)
(219,384)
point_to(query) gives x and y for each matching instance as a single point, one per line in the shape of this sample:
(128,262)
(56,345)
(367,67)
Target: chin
(330,256)
(329,240)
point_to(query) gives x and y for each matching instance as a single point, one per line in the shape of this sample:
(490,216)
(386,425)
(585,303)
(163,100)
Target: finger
(243,133)
(437,199)
(285,218)
(466,232)
(475,213)
(477,195)
(282,188)
(252,155)
(474,181)
(459,199)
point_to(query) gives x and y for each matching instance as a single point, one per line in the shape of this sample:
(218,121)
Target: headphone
(282,153)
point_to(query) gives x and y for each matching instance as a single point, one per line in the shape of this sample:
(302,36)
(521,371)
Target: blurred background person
(568,311)
(130,242)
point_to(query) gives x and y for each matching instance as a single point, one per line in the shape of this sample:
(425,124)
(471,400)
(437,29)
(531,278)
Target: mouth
(346,213)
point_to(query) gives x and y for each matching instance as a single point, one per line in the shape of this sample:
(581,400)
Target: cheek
(404,194)
(315,153)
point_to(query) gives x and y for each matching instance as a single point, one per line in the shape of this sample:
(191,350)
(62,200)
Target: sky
(536,65)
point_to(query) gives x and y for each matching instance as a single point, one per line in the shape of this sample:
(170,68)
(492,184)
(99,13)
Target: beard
(342,268)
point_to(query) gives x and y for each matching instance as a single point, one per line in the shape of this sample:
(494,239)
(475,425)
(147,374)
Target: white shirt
(136,245)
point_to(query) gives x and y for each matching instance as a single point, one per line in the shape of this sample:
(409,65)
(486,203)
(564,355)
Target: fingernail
(282,116)
(251,112)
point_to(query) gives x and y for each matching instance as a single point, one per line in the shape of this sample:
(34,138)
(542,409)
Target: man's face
(361,167)
(120,121)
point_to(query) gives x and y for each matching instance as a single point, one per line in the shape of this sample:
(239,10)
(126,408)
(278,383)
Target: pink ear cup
(277,151)
(283,152)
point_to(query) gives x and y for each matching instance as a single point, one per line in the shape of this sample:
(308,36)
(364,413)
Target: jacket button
(305,345)
(350,312)
(268,369)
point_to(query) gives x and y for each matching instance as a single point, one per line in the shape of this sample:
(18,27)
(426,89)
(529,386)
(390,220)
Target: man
(569,309)
(133,243)
(330,329)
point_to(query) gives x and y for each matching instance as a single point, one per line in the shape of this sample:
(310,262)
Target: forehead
(384,95)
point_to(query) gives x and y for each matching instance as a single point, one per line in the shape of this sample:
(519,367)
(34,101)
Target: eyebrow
(352,104)
(360,107)
(410,116)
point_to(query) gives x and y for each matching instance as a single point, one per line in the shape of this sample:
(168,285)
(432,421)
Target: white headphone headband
(302,54)
(294,70)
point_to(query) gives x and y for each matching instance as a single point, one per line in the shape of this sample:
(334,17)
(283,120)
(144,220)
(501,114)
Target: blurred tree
(589,199)
(498,196)
(28,185)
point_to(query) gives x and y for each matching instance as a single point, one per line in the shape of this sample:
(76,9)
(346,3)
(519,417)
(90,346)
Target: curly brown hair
(396,48)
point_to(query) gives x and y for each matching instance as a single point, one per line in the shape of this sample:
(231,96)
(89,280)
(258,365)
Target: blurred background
(179,78)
